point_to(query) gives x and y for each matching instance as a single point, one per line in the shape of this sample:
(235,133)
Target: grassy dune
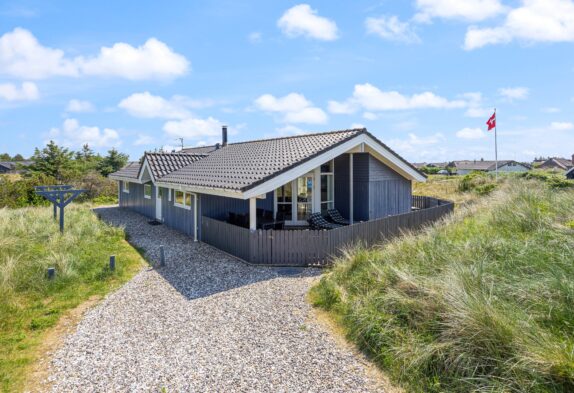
(30,304)
(483,302)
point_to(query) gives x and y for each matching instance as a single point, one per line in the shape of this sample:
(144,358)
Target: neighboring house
(14,166)
(570,173)
(504,166)
(430,165)
(197,189)
(562,164)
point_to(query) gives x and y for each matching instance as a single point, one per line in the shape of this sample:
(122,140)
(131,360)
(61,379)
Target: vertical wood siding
(312,247)
(134,200)
(177,217)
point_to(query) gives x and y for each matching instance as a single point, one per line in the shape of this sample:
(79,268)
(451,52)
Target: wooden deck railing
(305,247)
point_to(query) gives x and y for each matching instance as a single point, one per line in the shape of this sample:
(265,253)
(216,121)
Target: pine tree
(53,161)
(113,162)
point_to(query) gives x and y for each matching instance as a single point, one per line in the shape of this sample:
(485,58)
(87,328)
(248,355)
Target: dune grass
(481,302)
(30,304)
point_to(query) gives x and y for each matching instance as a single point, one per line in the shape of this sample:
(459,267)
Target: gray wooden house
(198,190)
(504,166)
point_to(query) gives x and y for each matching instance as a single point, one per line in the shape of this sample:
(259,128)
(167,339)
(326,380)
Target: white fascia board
(391,160)
(201,190)
(143,169)
(371,144)
(122,178)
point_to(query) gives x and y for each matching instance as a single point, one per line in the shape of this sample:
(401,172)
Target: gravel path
(205,322)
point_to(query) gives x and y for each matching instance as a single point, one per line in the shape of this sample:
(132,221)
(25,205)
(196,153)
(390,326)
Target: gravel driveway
(205,322)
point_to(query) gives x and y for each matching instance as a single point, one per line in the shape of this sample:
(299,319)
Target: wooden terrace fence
(305,247)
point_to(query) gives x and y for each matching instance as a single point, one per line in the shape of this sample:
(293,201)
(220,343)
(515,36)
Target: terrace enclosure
(228,194)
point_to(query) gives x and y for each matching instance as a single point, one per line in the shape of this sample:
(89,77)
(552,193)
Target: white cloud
(357,125)
(193,128)
(561,126)
(373,99)
(147,105)
(294,107)
(550,109)
(79,106)
(27,91)
(254,37)
(144,140)
(289,130)
(475,105)
(533,21)
(392,29)
(414,143)
(74,135)
(301,20)
(22,56)
(514,93)
(471,10)
(153,59)
(370,116)
(470,133)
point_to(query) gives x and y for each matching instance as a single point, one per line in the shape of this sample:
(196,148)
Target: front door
(158,198)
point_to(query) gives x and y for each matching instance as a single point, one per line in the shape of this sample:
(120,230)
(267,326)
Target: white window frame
(185,194)
(125,186)
(150,191)
(332,174)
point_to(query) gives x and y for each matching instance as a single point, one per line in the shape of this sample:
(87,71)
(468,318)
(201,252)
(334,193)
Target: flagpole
(495,145)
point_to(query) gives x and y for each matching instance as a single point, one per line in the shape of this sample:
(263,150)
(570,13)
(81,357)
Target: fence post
(112,262)
(161,256)
(51,273)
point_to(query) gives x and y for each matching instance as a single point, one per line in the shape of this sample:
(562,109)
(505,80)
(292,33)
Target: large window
(182,199)
(126,187)
(304,197)
(285,201)
(147,191)
(327,187)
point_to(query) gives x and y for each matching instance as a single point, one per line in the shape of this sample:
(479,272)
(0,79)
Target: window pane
(284,193)
(303,211)
(327,188)
(147,190)
(284,210)
(179,197)
(187,199)
(326,167)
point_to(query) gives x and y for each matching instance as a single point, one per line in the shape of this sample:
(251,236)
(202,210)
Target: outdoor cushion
(336,217)
(317,221)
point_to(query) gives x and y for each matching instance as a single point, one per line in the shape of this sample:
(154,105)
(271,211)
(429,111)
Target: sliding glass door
(304,197)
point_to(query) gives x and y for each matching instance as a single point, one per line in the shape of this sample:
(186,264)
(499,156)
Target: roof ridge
(363,129)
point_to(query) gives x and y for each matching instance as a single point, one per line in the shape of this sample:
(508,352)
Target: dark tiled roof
(13,164)
(199,149)
(163,163)
(131,170)
(482,165)
(240,166)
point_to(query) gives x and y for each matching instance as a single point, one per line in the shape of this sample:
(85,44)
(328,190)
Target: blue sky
(422,75)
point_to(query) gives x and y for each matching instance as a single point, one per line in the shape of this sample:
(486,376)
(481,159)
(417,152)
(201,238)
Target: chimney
(223,136)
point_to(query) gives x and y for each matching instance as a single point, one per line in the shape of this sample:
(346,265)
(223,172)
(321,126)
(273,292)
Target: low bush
(482,302)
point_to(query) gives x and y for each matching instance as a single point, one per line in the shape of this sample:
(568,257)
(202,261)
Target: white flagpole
(495,145)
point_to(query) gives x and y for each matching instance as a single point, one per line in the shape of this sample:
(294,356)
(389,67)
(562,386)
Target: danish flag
(491,123)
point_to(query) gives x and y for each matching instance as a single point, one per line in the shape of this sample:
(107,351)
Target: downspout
(194,216)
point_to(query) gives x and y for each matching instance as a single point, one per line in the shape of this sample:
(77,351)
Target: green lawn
(483,302)
(29,303)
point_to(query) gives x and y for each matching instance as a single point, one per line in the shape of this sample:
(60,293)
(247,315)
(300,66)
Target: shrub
(478,182)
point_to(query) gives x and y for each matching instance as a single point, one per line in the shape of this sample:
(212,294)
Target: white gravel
(205,322)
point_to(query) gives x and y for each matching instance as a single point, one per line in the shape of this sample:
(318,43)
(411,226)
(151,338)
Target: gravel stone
(204,322)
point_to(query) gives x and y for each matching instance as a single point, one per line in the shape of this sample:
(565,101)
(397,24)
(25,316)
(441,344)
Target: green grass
(30,304)
(482,302)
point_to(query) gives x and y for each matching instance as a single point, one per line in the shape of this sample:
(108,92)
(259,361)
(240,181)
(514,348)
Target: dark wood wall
(134,200)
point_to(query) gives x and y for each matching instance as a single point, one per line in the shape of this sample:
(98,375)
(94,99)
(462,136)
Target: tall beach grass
(481,302)
(30,304)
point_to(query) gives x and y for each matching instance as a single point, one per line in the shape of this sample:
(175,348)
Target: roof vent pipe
(223,136)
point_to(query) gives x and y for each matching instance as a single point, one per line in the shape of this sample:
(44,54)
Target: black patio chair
(317,221)
(336,217)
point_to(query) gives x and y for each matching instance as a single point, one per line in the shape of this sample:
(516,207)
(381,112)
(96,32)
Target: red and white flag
(491,123)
